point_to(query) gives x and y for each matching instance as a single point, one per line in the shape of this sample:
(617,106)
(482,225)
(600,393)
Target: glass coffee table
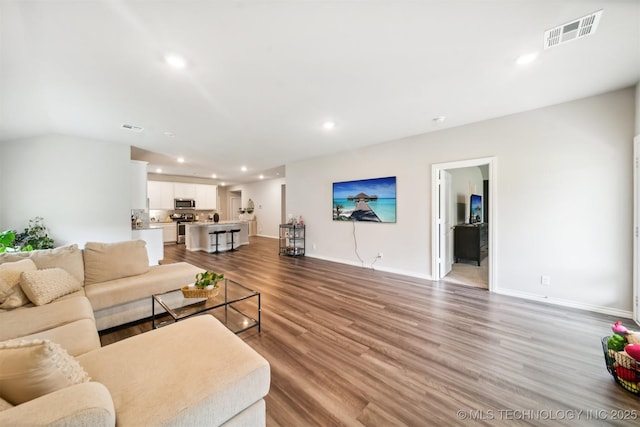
(233,305)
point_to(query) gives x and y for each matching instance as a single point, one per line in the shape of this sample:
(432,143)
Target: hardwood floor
(357,347)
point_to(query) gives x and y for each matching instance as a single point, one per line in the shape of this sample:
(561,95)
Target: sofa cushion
(32,368)
(159,278)
(80,405)
(67,257)
(30,320)
(4,405)
(43,286)
(216,378)
(76,338)
(109,261)
(11,294)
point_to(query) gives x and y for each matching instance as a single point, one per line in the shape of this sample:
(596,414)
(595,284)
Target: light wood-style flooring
(351,346)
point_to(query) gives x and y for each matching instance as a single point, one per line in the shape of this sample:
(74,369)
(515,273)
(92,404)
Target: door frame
(636,224)
(492,162)
(444,252)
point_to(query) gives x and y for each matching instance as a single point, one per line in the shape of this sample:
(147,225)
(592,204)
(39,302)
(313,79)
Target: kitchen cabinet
(169,231)
(160,195)
(183,190)
(206,196)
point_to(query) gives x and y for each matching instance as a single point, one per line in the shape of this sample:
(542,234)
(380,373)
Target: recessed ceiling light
(243,168)
(175,61)
(214,176)
(169,134)
(328,125)
(439,119)
(261,177)
(180,159)
(527,58)
(223,184)
(158,170)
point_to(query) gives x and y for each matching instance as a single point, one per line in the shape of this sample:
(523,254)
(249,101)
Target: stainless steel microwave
(181,204)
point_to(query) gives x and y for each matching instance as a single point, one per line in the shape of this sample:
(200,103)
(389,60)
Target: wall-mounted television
(369,200)
(475,210)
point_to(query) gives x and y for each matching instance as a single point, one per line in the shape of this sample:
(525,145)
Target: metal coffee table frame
(226,307)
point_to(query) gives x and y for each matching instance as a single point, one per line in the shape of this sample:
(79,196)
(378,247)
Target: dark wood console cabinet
(469,241)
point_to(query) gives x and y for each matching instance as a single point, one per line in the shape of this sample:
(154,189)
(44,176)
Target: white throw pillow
(32,368)
(11,295)
(43,286)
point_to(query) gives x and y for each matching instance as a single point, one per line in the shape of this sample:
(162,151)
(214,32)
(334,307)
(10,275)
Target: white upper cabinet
(184,191)
(206,196)
(160,195)
(138,184)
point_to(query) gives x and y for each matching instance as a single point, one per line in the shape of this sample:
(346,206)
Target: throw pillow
(110,261)
(43,286)
(11,295)
(33,368)
(67,257)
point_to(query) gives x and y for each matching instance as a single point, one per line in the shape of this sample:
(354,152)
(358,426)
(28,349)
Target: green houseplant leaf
(208,278)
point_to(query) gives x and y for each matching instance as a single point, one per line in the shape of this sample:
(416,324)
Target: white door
(235,208)
(445,225)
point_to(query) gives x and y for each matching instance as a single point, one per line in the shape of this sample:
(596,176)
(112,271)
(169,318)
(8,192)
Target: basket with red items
(622,355)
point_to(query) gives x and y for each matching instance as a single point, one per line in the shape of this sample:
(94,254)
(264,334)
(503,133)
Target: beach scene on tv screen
(372,200)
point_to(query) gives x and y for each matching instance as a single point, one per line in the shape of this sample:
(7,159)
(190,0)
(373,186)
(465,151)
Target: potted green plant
(6,240)
(205,286)
(35,236)
(208,278)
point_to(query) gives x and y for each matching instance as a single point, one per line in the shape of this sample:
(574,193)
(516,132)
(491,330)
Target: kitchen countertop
(215,223)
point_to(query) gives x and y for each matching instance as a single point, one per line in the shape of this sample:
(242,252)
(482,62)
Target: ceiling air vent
(132,128)
(572,30)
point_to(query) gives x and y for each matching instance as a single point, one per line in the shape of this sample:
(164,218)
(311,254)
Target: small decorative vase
(216,217)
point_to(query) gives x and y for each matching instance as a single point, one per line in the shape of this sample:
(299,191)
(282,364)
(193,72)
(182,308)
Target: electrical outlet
(314,246)
(545,280)
(380,255)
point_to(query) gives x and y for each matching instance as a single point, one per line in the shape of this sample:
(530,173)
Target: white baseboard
(566,303)
(369,266)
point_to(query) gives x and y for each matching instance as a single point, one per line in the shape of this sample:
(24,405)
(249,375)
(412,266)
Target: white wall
(266,196)
(564,184)
(464,182)
(638,109)
(80,187)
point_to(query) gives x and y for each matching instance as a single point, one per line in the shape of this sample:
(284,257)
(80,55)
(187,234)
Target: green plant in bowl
(208,278)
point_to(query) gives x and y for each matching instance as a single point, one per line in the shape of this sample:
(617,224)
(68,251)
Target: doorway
(449,209)
(235,203)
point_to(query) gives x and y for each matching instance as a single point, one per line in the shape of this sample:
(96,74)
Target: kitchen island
(197,237)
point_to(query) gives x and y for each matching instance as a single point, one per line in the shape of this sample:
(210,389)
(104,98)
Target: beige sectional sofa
(195,372)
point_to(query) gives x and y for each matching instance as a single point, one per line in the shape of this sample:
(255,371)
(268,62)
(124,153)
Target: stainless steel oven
(181,222)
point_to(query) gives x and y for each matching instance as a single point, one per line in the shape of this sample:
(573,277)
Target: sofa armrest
(86,404)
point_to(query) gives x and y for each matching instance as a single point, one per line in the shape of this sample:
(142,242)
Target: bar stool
(233,232)
(217,233)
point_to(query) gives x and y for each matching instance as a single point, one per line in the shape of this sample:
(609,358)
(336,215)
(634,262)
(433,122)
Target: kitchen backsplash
(165,215)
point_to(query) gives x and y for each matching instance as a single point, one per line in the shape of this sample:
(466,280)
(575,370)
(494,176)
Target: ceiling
(263,76)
